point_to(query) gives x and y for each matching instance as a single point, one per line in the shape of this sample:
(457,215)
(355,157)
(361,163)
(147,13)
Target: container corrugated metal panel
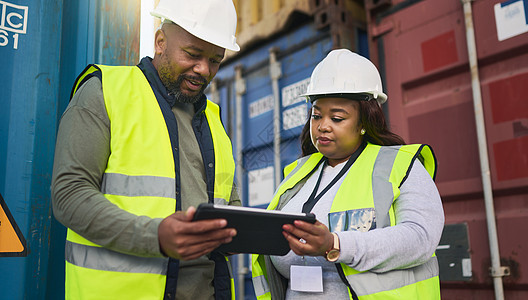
(298,52)
(36,37)
(298,58)
(421,46)
(29,93)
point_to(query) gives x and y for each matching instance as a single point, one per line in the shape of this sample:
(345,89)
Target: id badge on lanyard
(306,278)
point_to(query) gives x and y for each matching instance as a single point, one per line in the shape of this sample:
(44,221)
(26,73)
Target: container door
(421,46)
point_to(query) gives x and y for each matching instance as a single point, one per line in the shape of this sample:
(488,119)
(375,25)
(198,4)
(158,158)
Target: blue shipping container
(43,47)
(297,51)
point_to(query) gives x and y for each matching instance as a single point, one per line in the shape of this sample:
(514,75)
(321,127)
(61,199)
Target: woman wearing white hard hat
(379,213)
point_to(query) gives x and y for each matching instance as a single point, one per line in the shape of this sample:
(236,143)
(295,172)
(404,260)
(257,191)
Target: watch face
(332,255)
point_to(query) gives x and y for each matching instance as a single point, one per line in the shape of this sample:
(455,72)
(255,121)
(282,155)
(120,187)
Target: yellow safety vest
(387,167)
(139,178)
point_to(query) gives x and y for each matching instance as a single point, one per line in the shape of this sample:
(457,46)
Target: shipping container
(275,67)
(44,45)
(421,47)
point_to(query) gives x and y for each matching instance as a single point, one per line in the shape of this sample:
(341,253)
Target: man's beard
(174,86)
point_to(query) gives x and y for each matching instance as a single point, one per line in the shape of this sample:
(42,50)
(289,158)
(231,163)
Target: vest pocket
(362,220)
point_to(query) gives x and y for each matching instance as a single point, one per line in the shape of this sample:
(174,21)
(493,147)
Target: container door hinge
(500,272)
(215,94)
(240,83)
(275,66)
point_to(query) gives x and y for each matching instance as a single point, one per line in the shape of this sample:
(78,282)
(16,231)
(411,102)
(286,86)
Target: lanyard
(310,203)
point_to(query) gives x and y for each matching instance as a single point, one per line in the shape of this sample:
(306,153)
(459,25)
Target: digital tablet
(259,231)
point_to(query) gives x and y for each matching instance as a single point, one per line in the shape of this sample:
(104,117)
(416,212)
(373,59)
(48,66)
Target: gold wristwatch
(333,254)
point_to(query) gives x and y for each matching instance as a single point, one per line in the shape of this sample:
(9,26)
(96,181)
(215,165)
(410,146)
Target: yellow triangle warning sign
(12,242)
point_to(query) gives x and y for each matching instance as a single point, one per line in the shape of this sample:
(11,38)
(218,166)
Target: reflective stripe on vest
(389,166)
(136,186)
(367,283)
(102,259)
(304,166)
(139,178)
(260,284)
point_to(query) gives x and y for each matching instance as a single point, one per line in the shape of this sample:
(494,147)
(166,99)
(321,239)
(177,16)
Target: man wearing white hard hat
(138,149)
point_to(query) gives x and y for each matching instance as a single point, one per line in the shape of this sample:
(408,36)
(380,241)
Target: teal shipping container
(43,47)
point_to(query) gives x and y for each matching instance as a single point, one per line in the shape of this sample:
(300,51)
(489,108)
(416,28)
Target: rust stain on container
(121,28)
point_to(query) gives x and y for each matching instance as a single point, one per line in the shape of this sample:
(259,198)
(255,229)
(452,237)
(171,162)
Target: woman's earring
(363,131)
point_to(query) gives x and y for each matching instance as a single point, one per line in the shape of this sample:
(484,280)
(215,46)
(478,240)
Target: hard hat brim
(381,97)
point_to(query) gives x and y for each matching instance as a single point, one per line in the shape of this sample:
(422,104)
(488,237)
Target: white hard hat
(345,74)
(213,21)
